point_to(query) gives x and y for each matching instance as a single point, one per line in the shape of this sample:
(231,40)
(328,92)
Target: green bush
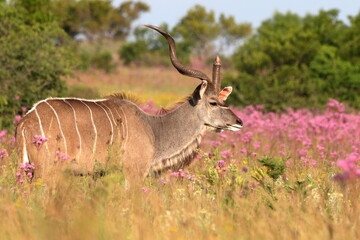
(132,52)
(103,61)
(81,91)
(298,62)
(151,49)
(34,58)
(84,60)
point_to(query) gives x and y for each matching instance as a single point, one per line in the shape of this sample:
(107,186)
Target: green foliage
(298,62)
(275,167)
(132,51)
(97,19)
(198,26)
(81,91)
(198,32)
(34,57)
(151,49)
(104,61)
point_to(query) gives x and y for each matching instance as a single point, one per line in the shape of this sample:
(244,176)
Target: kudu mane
(124,95)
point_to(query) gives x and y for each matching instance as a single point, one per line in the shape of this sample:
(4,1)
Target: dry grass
(84,208)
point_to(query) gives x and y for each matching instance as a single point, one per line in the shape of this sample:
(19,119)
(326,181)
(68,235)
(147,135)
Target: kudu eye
(213,103)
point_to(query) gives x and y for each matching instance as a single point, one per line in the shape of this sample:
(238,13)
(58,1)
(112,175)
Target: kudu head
(207,99)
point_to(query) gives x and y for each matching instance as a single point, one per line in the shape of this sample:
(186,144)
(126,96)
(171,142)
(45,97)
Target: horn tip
(149,26)
(217,61)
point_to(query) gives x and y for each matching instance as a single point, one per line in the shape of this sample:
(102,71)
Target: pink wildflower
(349,166)
(256,145)
(182,174)
(145,190)
(3,154)
(225,154)
(288,163)
(164,181)
(302,152)
(320,148)
(335,106)
(334,154)
(215,143)
(39,140)
(221,163)
(243,151)
(3,134)
(17,119)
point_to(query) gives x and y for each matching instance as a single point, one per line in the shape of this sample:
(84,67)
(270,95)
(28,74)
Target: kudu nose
(238,121)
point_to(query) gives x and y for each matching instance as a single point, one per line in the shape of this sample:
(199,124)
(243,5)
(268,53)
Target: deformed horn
(175,62)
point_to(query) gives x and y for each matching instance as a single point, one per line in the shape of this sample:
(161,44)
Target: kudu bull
(85,130)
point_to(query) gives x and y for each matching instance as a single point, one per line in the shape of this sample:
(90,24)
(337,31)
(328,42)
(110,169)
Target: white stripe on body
(78,155)
(112,127)
(124,131)
(50,98)
(42,130)
(25,155)
(112,115)
(95,130)
(60,128)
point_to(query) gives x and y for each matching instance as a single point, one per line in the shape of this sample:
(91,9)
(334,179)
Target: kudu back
(80,133)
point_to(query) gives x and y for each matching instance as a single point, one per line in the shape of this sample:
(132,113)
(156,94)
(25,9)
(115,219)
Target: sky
(253,11)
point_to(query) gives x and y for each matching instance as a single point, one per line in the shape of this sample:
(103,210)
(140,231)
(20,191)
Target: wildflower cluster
(3,134)
(39,140)
(350,167)
(3,153)
(149,107)
(61,156)
(181,174)
(221,166)
(25,172)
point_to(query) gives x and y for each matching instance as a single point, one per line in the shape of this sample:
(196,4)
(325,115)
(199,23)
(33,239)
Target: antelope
(88,131)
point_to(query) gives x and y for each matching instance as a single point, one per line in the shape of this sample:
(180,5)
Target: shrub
(34,58)
(103,61)
(81,91)
(297,62)
(132,51)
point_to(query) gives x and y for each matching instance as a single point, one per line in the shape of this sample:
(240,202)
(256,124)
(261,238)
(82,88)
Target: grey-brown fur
(90,130)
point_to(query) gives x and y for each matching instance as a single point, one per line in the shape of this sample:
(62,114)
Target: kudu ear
(199,92)
(203,88)
(223,95)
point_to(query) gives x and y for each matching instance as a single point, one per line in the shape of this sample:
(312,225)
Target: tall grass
(284,176)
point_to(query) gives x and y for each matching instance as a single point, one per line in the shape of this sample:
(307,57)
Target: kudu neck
(177,132)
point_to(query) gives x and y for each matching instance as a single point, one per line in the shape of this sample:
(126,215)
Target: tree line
(294,61)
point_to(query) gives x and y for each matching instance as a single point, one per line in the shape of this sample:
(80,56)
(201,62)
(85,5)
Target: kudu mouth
(234,128)
(230,127)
